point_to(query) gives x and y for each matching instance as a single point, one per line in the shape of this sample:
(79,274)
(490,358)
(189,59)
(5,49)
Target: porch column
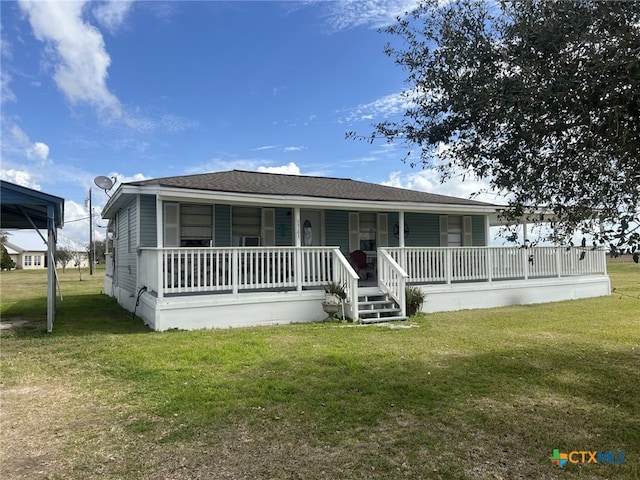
(487,231)
(159,246)
(159,224)
(525,257)
(298,243)
(296,227)
(403,253)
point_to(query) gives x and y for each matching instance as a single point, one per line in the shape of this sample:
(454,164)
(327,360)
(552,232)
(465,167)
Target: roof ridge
(291,175)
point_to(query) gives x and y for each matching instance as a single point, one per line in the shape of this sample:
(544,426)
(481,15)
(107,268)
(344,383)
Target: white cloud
(19,177)
(76,224)
(19,135)
(264,147)
(291,148)
(291,169)
(382,107)
(38,151)
(18,141)
(119,178)
(6,94)
(347,14)
(111,14)
(82,60)
(247,164)
(428,180)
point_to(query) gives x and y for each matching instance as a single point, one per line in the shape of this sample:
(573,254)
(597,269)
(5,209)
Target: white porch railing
(474,264)
(392,279)
(231,270)
(168,271)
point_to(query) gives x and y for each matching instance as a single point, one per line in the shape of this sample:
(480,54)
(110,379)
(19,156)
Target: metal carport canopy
(25,208)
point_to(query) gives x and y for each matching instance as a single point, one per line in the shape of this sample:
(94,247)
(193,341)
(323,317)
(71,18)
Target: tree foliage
(540,98)
(63,257)
(6,262)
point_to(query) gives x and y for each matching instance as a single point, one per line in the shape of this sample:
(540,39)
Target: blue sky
(151,89)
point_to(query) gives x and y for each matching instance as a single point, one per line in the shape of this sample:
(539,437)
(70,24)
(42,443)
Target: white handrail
(392,279)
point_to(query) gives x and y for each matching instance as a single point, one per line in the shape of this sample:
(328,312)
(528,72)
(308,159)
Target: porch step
(375,306)
(383,319)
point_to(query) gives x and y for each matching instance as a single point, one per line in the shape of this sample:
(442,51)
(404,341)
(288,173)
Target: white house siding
(284,227)
(337,229)
(125,246)
(423,228)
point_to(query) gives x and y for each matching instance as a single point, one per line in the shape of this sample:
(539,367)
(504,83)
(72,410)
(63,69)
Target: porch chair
(359,262)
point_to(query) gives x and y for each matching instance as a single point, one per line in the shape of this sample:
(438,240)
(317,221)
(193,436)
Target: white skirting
(192,312)
(224,311)
(463,296)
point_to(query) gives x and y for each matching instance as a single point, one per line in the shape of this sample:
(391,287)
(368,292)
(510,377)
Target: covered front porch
(189,288)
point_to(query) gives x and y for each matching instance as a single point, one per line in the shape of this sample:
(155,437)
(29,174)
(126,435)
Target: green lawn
(470,395)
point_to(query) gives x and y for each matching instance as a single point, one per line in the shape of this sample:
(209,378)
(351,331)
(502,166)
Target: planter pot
(330,309)
(331,298)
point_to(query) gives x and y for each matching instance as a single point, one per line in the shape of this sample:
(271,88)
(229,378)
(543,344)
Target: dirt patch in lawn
(9,323)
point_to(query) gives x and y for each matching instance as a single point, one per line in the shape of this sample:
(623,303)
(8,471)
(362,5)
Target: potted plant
(334,292)
(414,299)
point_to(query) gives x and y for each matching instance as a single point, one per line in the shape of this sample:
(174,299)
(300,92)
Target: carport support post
(51,269)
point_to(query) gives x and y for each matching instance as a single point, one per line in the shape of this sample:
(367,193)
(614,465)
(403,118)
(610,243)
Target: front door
(310,228)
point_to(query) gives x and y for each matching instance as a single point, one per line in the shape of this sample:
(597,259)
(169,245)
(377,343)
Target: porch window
(455,231)
(27,260)
(246,226)
(196,225)
(368,231)
(188,225)
(37,260)
(368,223)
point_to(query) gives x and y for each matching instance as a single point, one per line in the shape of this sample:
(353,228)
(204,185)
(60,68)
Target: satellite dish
(105,183)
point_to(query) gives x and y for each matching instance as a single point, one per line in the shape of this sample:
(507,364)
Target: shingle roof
(239,181)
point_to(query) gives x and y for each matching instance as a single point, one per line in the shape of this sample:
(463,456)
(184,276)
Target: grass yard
(482,394)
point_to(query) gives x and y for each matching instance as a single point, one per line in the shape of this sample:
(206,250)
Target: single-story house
(29,252)
(242,248)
